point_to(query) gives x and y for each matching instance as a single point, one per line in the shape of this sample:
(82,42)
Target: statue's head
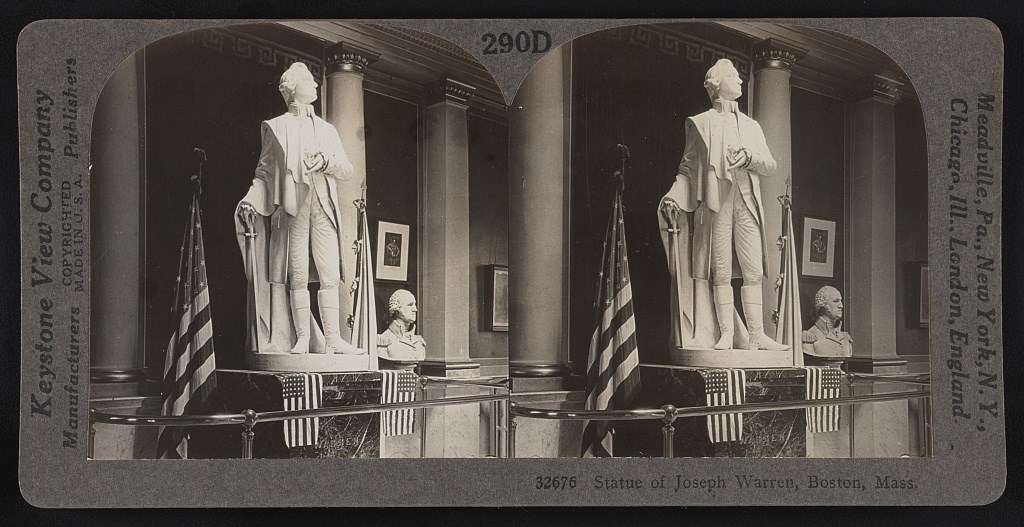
(828,302)
(402,306)
(722,81)
(298,85)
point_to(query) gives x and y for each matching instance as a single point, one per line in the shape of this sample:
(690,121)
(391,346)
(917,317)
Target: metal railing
(669,413)
(249,418)
(507,411)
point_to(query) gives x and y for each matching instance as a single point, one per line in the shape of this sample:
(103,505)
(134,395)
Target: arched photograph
(324,239)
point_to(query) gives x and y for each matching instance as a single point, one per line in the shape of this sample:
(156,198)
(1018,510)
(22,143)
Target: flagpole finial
(197,178)
(620,174)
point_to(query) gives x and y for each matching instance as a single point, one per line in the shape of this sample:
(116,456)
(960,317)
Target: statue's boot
(752,310)
(726,314)
(300,319)
(330,315)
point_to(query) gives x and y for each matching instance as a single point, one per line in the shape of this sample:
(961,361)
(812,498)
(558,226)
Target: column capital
(347,58)
(885,86)
(771,53)
(449,90)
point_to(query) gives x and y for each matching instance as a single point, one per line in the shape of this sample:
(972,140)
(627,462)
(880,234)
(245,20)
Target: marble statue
(712,224)
(826,338)
(289,212)
(399,342)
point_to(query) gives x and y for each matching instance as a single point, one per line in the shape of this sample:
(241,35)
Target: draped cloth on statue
(279,184)
(698,191)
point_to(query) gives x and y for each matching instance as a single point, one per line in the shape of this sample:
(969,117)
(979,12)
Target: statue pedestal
(734,358)
(765,434)
(353,436)
(307,362)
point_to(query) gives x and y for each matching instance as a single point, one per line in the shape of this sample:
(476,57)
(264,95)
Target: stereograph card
(511,262)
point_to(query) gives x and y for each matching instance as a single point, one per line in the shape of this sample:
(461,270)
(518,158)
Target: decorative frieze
(672,43)
(262,52)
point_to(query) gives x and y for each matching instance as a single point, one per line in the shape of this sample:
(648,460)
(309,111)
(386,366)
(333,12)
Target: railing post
(853,449)
(511,441)
(92,437)
(247,433)
(668,432)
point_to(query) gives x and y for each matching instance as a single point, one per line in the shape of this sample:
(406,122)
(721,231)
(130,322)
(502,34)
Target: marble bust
(826,338)
(712,224)
(399,342)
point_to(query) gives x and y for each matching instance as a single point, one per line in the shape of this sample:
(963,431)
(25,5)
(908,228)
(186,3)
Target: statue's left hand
(739,158)
(315,162)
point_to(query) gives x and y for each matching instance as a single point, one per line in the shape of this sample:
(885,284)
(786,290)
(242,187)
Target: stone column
(116,189)
(538,231)
(343,107)
(444,241)
(881,429)
(773,62)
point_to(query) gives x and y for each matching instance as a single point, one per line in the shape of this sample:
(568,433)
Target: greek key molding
(676,44)
(258,51)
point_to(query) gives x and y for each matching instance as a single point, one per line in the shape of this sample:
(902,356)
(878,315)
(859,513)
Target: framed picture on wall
(819,248)
(392,251)
(497,298)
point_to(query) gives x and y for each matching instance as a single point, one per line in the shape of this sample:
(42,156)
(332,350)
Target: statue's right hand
(246,211)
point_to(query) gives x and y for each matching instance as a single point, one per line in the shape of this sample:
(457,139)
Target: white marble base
(734,358)
(307,362)
(452,431)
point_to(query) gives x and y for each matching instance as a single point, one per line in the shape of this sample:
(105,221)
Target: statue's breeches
(735,227)
(311,227)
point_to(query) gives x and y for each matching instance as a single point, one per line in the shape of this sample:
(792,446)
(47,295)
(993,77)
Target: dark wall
(200,97)
(819,181)
(392,181)
(488,229)
(640,97)
(911,227)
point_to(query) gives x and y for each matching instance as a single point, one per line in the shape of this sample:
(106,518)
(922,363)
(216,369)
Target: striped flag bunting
(788,328)
(723,388)
(822,383)
(399,386)
(613,375)
(301,391)
(364,317)
(189,382)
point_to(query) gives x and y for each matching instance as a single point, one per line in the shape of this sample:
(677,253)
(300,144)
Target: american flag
(364,317)
(301,391)
(722,388)
(822,383)
(190,382)
(613,376)
(788,328)
(399,386)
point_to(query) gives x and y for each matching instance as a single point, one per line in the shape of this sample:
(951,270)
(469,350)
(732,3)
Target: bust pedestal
(340,437)
(765,434)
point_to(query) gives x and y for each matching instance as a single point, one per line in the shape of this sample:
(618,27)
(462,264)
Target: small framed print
(819,248)
(392,251)
(497,298)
